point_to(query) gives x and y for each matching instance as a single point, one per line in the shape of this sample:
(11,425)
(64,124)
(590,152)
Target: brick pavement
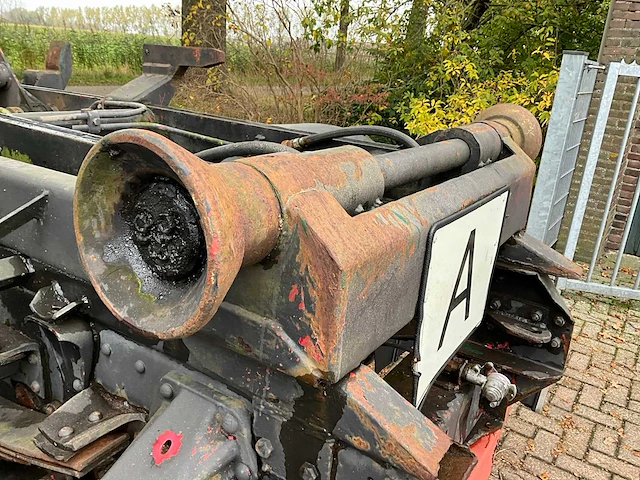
(590,427)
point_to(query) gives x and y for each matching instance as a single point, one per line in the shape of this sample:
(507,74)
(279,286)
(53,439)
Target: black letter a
(465,295)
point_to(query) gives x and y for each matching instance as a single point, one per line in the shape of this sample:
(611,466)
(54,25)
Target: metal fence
(591,284)
(568,116)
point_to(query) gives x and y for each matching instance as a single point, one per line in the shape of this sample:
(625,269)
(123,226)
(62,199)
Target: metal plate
(461,253)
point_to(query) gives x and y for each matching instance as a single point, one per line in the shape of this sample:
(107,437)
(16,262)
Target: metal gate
(568,116)
(553,187)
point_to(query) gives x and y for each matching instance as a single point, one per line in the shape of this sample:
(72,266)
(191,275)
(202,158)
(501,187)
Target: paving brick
(539,468)
(564,398)
(523,428)
(576,439)
(578,361)
(581,468)
(635,390)
(630,449)
(634,405)
(605,440)
(603,418)
(574,384)
(591,396)
(614,465)
(508,473)
(620,413)
(546,446)
(540,421)
(584,377)
(512,449)
(617,394)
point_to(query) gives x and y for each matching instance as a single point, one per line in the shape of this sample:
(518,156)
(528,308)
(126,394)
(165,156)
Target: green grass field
(99,57)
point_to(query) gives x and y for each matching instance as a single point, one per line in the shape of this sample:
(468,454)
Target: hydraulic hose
(303,142)
(242,149)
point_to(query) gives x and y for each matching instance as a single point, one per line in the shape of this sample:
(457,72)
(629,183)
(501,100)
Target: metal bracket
(13,268)
(50,303)
(83,419)
(34,208)
(58,66)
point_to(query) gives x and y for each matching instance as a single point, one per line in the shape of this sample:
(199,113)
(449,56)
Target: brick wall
(621,41)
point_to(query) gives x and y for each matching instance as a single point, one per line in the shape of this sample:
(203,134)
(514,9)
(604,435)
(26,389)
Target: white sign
(461,253)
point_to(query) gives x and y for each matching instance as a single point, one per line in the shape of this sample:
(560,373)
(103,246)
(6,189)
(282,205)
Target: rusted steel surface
(379,422)
(236,229)
(526,252)
(328,276)
(520,124)
(18,428)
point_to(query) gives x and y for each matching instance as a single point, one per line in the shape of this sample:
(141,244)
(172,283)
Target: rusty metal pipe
(405,166)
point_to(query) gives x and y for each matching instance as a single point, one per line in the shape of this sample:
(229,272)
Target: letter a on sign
(461,254)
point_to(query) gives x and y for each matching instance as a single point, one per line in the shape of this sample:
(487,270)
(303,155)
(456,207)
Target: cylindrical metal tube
(404,166)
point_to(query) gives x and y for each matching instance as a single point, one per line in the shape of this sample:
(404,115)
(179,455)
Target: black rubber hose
(401,138)
(243,149)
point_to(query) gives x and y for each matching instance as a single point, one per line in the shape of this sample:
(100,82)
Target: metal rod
(637,282)
(627,229)
(616,173)
(405,166)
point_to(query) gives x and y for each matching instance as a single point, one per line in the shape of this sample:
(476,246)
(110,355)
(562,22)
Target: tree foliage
(445,60)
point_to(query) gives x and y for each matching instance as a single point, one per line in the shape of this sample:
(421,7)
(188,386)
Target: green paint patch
(15,155)
(401,217)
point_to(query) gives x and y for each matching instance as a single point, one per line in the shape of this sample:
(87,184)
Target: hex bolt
(264,448)
(308,471)
(242,472)
(495,304)
(35,387)
(95,416)
(140,366)
(78,385)
(105,349)
(33,359)
(65,432)
(229,423)
(555,342)
(559,321)
(166,391)
(536,316)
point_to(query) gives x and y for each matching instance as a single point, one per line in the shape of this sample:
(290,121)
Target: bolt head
(65,432)
(35,387)
(242,472)
(105,349)
(140,366)
(33,359)
(555,342)
(78,385)
(95,416)
(495,304)
(229,423)
(264,448)
(308,471)
(166,391)
(559,321)
(536,316)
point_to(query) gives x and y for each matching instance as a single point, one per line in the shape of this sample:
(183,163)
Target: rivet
(78,385)
(264,448)
(242,472)
(65,432)
(35,387)
(229,423)
(166,391)
(106,349)
(140,367)
(95,416)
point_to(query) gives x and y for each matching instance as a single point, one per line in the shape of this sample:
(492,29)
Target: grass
(99,57)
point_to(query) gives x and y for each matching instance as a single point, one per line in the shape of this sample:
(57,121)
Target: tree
(343,30)
(204,23)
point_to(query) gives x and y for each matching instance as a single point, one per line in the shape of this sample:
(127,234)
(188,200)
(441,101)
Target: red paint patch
(293,292)
(305,341)
(311,348)
(214,246)
(167,445)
